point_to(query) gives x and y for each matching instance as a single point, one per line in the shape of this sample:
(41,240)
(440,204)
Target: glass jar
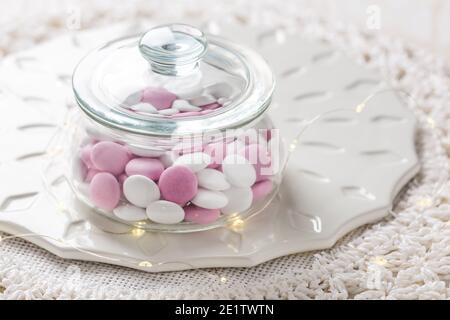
(174,135)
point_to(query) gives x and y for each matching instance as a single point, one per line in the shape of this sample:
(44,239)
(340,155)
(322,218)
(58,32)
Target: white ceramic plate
(344,171)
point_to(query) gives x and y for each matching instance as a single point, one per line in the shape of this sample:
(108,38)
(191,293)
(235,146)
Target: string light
(293,145)
(379,260)
(137,232)
(62,207)
(360,107)
(237,225)
(424,202)
(145,264)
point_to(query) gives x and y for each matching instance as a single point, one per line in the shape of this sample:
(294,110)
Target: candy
(151,168)
(121,178)
(186,91)
(178,184)
(129,212)
(199,215)
(80,170)
(195,161)
(210,199)
(238,171)
(239,200)
(85,155)
(144,108)
(104,191)
(187,147)
(202,100)
(217,152)
(183,105)
(262,189)
(165,212)
(140,190)
(223,101)
(90,174)
(211,106)
(146,152)
(110,157)
(166,159)
(259,157)
(160,98)
(234,146)
(168,112)
(132,99)
(212,180)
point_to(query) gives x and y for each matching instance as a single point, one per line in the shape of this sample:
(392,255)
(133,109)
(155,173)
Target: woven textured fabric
(404,256)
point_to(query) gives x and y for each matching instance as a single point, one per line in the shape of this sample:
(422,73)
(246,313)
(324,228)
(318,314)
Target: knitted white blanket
(404,256)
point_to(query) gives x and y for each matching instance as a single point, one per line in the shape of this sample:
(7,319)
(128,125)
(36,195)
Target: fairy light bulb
(137,232)
(145,264)
(237,225)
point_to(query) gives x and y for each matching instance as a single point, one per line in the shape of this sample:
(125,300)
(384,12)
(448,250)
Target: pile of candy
(196,185)
(180,102)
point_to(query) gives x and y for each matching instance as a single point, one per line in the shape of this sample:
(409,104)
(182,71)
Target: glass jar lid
(173,80)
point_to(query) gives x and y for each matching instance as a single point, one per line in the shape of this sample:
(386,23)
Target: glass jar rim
(243,111)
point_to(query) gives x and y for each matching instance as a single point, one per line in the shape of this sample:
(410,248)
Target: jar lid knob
(173,49)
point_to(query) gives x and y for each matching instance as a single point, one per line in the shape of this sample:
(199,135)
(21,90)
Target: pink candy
(151,168)
(110,157)
(211,106)
(261,189)
(178,184)
(90,174)
(85,155)
(121,178)
(104,191)
(160,98)
(200,215)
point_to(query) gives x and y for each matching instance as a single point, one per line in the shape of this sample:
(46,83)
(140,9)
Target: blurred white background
(425,22)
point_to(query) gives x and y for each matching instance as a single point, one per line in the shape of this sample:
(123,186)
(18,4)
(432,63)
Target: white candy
(234,147)
(144,108)
(140,190)
(210,199)
(222,101)
(238,171)
(184,90)
(239,200)
(165,212)
(145,152)
(129,212)
(202,100)
(133,99)
(168,112)
(195,161)
(183,105)
(212,179)
(166,159)
(220,90)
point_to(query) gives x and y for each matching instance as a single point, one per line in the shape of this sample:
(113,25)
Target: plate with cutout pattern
(353,156)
